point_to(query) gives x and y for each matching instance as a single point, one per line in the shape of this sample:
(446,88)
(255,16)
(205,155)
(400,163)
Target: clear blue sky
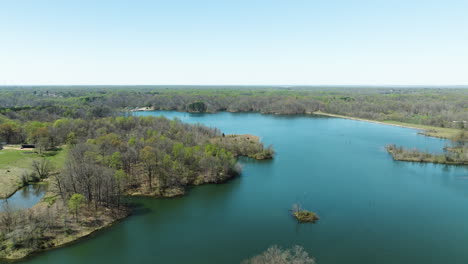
(234,42)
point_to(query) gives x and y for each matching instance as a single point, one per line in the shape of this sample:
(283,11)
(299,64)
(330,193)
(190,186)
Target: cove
(372,209)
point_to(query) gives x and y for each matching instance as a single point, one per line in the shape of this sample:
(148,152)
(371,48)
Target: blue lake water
(372,209)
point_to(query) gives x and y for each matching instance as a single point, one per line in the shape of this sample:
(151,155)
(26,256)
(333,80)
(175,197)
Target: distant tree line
(431,106)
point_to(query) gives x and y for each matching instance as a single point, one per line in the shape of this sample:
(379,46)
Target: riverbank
(431,131)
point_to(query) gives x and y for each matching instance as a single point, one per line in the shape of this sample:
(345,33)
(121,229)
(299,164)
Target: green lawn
(14,163)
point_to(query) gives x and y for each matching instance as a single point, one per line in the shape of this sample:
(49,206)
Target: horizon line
(258,85)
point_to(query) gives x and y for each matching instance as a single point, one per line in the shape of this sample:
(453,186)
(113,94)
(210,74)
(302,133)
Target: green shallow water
(372,209)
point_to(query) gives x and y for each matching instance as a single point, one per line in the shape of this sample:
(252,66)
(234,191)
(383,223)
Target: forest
(440,107)
(108,159)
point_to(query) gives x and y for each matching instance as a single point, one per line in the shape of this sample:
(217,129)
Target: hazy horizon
(260,42)
(239,85)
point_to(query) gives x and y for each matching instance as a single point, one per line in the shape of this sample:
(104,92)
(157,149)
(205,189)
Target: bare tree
(277,255)
(6,217)
(42,167)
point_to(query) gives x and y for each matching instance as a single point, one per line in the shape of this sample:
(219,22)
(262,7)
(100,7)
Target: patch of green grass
(22,159)
(50,200)
(15,163)
(16,158)
(57,157)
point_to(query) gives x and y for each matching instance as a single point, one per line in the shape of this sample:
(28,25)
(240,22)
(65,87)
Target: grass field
(14,163)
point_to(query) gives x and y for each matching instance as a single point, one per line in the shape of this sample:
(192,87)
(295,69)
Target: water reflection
(27,197)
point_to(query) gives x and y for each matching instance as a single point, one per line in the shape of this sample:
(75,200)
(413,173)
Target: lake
(372,209)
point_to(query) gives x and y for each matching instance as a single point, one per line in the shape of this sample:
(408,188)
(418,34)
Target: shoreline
(401,154)
(365,120)
(419,160)
(109,221)
(430,131)
(107,216)
(437,132)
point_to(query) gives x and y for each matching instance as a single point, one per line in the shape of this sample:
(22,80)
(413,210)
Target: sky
(235,42)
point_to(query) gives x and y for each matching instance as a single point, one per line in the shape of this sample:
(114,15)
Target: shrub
(277,255)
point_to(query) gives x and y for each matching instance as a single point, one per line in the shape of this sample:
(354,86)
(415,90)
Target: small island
(304,216)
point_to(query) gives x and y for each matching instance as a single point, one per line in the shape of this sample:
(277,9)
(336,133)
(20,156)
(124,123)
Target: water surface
(372,209)
(26,197)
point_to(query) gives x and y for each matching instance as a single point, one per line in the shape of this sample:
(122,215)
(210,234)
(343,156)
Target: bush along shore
(455,154)
(109,158)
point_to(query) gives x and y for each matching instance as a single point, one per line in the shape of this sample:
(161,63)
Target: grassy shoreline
(15,162)
(454,156)
(431,131)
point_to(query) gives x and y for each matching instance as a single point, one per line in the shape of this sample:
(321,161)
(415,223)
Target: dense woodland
(108,158)
(152,151)
(443,107)
(152,155)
